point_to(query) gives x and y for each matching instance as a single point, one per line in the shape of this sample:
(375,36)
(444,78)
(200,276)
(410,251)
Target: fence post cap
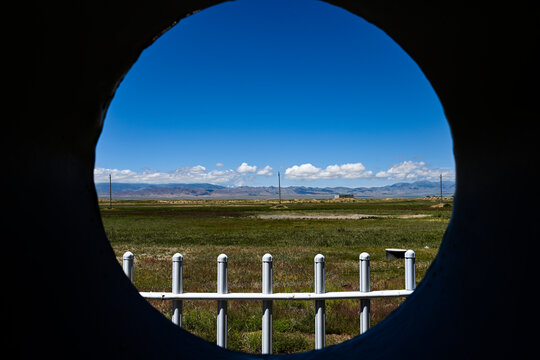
(364,256)
(267,258)
(128,255)
(178,257)
(410,254)
(319,258)
(222,258)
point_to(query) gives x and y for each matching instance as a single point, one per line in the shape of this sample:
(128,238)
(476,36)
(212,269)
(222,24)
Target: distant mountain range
(208,191)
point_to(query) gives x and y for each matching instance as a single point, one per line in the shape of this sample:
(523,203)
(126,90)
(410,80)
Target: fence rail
(155,295)
(267,296)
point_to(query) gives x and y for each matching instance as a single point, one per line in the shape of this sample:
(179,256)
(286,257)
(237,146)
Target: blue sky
(237,92)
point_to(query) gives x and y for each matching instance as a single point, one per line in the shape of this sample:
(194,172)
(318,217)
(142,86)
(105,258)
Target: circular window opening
(293,129)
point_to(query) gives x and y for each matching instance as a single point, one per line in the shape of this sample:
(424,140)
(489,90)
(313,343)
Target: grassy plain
(203,229)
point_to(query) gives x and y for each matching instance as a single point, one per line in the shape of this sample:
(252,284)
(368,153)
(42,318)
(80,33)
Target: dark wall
(67,296)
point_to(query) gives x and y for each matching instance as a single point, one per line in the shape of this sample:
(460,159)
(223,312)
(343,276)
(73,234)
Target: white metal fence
(267,296)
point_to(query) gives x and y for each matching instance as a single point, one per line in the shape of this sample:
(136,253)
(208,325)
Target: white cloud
(311,172)
(347,171)
(266,171)
(245,168)
(302,172)
(200,174)
(192,174)
(405,171)
(413,171)
(219,164)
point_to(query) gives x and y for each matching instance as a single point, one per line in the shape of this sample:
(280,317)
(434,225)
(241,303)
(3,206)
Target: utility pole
(279,186)
(441,187)
(110,192)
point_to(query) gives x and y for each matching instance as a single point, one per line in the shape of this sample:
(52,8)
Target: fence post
(365,304)
(127,264)
(320,340)
(221,335)
(410,270)
(267,262)
(177,287)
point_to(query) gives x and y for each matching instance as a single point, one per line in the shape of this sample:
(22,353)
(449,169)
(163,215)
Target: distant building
(344,196)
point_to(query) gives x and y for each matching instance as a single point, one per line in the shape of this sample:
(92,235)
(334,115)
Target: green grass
(201,230)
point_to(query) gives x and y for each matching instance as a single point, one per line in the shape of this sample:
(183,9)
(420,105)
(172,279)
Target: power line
(110,192)
(279,186)
(441,187)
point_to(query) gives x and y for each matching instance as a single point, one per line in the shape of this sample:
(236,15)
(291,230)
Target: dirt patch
(279,206)
(338,217)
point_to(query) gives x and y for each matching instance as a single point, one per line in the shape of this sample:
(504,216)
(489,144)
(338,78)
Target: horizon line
(263,186)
